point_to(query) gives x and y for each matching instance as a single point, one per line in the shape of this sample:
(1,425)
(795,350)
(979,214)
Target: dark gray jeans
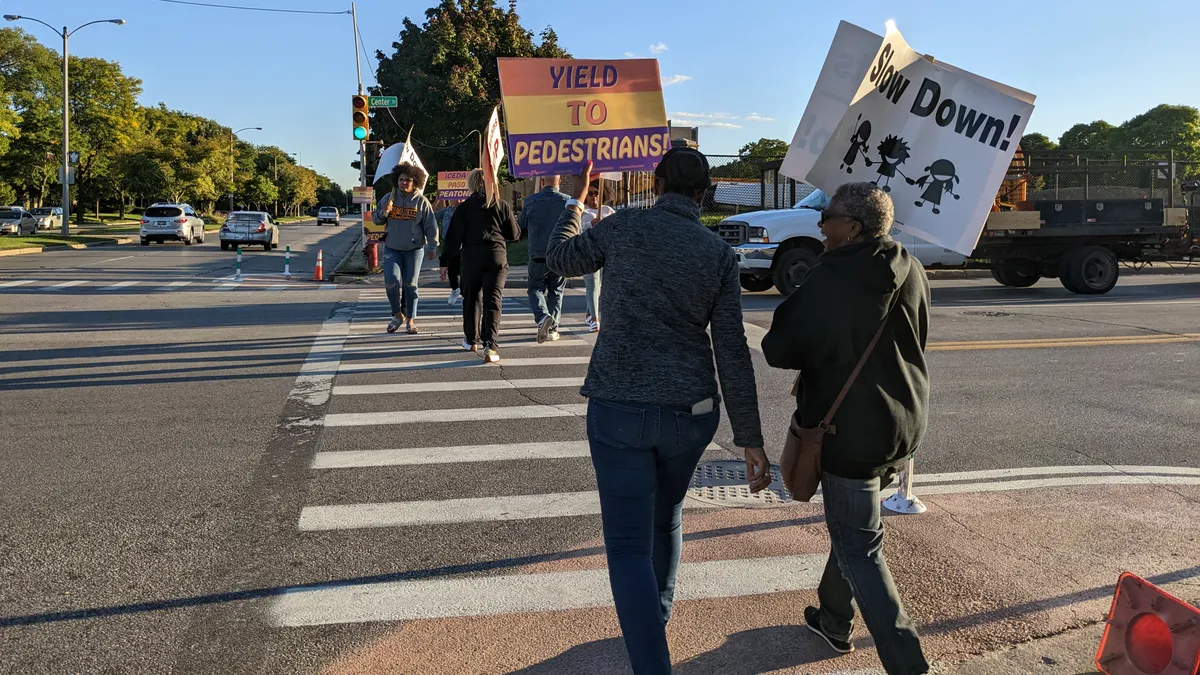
(857,572)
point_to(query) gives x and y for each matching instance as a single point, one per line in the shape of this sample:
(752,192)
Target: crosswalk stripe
(464,363)
(121,284)
(67,284)
(516,412)
(475,385)
(175,285)
(993,474)
(540,592)
(447,511)
(329,287)
(279,287)
(358,459)
(19,282)
(228,287)
(440,347)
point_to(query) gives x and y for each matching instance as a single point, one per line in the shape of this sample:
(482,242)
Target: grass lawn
(8,243)
(293,219)
(711,219)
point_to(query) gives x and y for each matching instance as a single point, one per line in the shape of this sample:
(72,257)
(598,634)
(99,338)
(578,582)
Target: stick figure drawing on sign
(858,146)
(941,178)
(893,152)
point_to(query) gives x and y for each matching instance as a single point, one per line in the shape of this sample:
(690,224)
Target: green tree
(445,76)
(748,164)
(1098,135)
(1164,127)
(103,122)
(261,192)
(1033,143)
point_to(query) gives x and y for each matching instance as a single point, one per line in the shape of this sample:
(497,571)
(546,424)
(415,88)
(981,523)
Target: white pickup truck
(778,248)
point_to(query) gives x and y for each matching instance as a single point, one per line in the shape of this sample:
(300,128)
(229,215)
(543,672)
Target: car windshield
(163,212)
(815,200)
(9,212)
(42,212)
(328,210)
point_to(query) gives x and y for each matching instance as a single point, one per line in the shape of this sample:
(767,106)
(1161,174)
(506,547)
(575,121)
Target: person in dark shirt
(478,239)
(546,287)
(863,280)
(652,383)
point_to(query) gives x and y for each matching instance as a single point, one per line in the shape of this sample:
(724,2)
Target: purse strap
(862,361)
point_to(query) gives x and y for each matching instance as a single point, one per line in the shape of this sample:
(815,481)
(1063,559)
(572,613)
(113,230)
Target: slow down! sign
(560,113)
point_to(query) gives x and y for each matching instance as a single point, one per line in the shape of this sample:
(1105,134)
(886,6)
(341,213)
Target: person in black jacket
(863,279)
(477,239)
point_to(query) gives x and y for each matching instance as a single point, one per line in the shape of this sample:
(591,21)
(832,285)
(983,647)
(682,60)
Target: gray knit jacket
(667,280)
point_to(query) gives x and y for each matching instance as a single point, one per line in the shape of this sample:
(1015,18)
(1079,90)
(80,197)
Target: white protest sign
(937,138)
(849,57)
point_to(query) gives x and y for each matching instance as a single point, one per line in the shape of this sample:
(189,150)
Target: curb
(64,247)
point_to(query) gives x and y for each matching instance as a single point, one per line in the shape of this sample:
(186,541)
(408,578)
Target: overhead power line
(251,9)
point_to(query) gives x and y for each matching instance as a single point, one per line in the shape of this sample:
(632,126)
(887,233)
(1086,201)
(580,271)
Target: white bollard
(904,501)
(238,276)
(287,261)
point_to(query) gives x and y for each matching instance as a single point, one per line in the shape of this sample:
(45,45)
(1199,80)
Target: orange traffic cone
(319,272)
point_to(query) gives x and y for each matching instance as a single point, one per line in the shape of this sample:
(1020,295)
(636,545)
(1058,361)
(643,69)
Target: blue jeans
(858,571)
(402,267)
(545,292)
(644,457)
(591,283)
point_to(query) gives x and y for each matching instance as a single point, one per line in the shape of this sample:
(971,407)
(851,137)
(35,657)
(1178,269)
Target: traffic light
(362,117)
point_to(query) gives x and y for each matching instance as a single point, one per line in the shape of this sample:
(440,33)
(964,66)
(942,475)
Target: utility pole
(362,145)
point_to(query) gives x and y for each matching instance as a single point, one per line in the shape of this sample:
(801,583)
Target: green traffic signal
(360,133)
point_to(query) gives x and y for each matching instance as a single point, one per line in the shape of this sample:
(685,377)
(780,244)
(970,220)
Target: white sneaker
(490,354)
(554,336)
(451,299)
(469,347)
(458,298)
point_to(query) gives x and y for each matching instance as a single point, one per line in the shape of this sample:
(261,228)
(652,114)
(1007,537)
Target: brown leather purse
(800,465)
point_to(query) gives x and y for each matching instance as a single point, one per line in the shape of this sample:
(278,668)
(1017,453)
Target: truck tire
(791,268)
(1093,270)
(1064,270)
(753,284)
(1014,276)
(1000,277)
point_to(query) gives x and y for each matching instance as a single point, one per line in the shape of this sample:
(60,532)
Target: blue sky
(747,67)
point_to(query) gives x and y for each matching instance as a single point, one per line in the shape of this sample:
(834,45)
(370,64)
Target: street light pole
(66,102)
(233,161)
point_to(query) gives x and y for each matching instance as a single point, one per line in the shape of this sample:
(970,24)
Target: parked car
(48,217)
(172,222)
(249,227)
(328,214)
(16,220)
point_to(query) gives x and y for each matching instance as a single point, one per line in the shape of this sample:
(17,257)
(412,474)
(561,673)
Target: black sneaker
(812,617)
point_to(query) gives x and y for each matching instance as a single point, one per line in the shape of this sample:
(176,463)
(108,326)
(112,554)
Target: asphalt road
(254,477)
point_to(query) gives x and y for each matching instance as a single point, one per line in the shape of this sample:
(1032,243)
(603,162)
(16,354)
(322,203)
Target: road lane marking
(279,287)
(14,284)
(175,285)
(474,385)
(66,284)
(755,334)
(540,592)
(315,380)
(447,511)
(228,287)
(516,412)
(463,363)
(1069,481)
(119,285)
(329,287)
(127,257)
(358,459)
(440,347)
(1104,469)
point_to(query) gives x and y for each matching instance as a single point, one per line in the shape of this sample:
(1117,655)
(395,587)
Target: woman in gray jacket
(411,229)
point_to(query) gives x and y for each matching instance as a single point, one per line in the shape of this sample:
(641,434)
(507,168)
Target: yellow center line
(1063,342)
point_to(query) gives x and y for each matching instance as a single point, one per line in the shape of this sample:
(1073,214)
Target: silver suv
(172,222)
(328,214)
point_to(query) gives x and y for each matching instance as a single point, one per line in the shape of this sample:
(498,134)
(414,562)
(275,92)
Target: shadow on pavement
(415,575)
(600,657)
(761,650)
(224,316)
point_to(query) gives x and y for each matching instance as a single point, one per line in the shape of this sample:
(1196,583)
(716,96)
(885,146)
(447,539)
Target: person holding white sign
(867,300)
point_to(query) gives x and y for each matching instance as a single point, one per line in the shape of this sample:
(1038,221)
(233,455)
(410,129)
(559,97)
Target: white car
(16,220)
(328,214)
(48,217)
(172,222)
(778,247)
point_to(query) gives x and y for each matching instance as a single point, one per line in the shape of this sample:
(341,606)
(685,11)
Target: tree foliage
(1098,135)
(750,158)
(444,75)
(128,153)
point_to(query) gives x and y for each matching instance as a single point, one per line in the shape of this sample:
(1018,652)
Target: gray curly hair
(869,205)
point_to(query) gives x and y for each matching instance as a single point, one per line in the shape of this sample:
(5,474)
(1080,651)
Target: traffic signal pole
(362,144)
